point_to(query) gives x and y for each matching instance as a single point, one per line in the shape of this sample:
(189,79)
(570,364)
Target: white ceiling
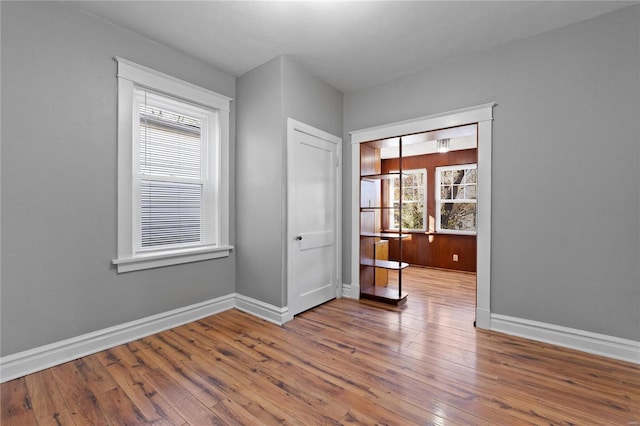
(349,44)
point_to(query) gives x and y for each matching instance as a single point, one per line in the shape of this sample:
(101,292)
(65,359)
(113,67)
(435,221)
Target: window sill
(443,232)
(173,257)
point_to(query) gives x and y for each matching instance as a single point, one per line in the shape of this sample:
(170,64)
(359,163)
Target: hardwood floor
(346,362)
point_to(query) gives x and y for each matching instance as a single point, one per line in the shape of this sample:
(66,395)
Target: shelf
(381,176)
(384,264)
(379,208)
(374,205)
(385,235)
(384,294)
(363,208)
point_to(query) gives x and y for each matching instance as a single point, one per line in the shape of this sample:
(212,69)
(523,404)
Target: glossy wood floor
(346,362)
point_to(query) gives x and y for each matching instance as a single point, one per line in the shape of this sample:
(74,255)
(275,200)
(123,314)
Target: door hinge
(337,161)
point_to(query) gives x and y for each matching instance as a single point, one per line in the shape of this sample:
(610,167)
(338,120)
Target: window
(173,172)
(456,196)
(414,184)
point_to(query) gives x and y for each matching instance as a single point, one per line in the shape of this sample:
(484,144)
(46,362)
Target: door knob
(299,238)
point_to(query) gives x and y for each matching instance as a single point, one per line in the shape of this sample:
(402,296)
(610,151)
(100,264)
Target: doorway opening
(446,218)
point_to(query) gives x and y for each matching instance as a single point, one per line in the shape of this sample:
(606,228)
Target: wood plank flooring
(345,362)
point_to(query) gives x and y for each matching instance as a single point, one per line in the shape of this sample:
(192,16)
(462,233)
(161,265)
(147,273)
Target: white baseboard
(32,360)
(262,310)
(593,343)
(351,291)
(483,318)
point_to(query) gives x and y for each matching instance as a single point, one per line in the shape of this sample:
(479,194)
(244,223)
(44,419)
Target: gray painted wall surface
(267,96)
(311,100)
(59,179)
(259,182)
(566,166)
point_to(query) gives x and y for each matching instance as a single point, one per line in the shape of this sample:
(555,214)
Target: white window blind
(169,213)
(175,174)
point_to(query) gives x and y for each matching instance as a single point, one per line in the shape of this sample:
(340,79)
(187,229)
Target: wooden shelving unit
(373,205)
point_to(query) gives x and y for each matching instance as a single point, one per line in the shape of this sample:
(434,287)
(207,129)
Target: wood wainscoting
(437,250)
(344,362)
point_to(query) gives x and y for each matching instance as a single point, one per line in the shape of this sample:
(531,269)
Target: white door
(313,216)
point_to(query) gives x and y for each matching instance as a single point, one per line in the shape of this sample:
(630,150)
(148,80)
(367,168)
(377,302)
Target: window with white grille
(414,195)
(456,199)
(172,182)
(174,156)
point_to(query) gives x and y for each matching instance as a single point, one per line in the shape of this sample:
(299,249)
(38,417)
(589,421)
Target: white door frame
(292,126)
(481,114)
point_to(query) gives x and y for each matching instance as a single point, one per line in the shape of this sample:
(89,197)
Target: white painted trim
(37,359)
(351,291)
(481,114)
(483,231)
(129,76)
(293,125)
(593,343)
(443,120)
(32,360)
(171,258)
(355,218)
(170,85)
(262,310)
(40,358)
(483,316)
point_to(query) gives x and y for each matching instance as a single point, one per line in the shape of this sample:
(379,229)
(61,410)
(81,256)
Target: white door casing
(481,114)
(313,216)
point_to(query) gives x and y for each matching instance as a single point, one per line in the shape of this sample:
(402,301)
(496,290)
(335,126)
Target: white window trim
(424,201)
(439,229)
(130,75)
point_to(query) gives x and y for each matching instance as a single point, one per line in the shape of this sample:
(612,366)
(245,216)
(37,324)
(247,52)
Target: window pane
(445,192)
(458,216)
(457,176)
(410,194)
(413,199)
(470,176)
(413,216)
(395,216)
(470,192)
(413,179)
(396,189)
(458,192)
(170,213)
(170,143)
(447,177)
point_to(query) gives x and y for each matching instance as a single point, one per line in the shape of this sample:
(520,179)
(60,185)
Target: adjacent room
(418,197)
(316,212)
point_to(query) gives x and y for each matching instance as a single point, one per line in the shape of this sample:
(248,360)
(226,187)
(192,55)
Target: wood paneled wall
(430,248)
(369,160)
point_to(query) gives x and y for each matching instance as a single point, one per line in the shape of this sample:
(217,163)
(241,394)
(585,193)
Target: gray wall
(267,96)
(59,179)
(566,166)
(310,100)
(259,181)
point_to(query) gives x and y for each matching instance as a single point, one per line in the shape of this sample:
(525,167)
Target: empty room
(310,212)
